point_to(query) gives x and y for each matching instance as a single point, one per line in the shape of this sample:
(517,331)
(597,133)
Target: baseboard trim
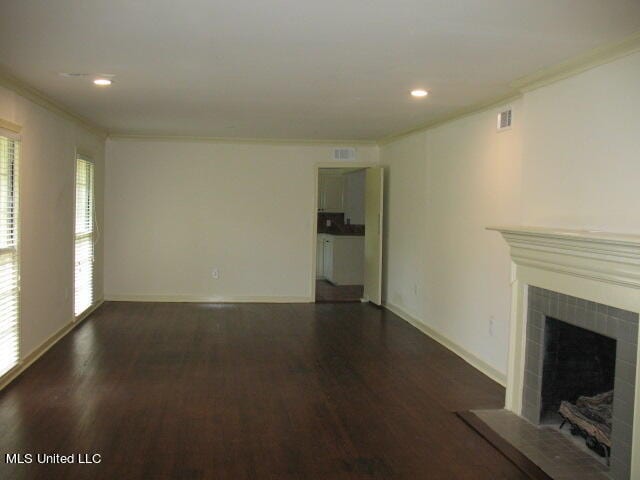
(27,361)
(467,356)
(206,299)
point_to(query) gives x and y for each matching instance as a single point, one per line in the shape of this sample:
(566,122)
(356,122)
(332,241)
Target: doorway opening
(348,246)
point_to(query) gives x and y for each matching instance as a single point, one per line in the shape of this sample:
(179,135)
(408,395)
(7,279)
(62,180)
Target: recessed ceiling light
(419,92)
(103,82)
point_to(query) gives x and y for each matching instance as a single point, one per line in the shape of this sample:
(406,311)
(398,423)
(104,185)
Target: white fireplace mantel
(597,266)
(606,257)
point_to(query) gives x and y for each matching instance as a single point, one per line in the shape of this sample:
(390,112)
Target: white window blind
(9,266)
(84,236)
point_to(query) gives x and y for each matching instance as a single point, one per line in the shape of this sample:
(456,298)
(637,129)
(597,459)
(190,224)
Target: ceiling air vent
(73,75)
(341,154)
(504,119)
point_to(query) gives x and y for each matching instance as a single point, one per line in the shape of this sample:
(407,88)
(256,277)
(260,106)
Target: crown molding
(231,140)
(581,63)
(591,59)
(586,61)
(12,127)
(25,90)
(574,66)
(457,115)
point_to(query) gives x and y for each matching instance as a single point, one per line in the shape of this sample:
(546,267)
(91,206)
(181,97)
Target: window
(9,266)
(84,236)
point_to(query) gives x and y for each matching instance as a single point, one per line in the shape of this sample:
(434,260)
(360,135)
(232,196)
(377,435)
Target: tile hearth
(556,454)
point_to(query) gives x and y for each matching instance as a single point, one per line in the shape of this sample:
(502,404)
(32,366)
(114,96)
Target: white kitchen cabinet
(327,259)
(343,259)
(331,193)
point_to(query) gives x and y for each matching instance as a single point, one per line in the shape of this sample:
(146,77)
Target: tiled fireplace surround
(612,322)
(588,279)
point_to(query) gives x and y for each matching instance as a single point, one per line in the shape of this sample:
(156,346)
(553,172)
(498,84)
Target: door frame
(314,213)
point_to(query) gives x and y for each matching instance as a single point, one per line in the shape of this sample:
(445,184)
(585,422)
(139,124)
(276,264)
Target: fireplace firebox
(577,362)
(577,352)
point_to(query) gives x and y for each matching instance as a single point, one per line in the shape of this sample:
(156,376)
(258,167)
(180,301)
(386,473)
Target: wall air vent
(342,154)
(505,118)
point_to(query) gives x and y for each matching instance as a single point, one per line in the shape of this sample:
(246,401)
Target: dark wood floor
(326,292)
(280,391)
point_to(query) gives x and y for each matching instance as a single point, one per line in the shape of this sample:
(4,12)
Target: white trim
(467,356)
(242,140)
(600,55)
(87,159)
(483,106)
(25,90)
(10,133)
(35,354)
(17,249)
(555,73)
(80,154)
(124,297)
(587,60)
(604,257)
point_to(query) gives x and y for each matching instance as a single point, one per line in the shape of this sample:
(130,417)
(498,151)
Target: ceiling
(294,69)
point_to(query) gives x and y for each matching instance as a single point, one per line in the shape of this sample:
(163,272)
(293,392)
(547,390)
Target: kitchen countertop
(342,235)
(343,230)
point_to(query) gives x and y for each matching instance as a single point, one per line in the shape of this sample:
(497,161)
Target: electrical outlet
(215,273)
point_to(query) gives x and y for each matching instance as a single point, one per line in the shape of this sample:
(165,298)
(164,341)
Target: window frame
(15,250)
(92,234)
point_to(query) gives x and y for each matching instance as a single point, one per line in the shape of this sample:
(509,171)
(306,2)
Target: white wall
(474,182)
(47,178)
(405,213)
(571,160)
(445,186)
(354,197)
(582,149)
(175,210)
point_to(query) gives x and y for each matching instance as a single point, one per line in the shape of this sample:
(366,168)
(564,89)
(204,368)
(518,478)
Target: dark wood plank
(326,292)
(252,391)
